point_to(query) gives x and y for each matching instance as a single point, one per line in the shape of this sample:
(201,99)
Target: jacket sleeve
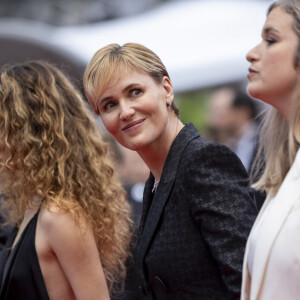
(223,207)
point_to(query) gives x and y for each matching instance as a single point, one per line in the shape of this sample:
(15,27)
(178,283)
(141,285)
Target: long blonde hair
(279,139)
(52,147)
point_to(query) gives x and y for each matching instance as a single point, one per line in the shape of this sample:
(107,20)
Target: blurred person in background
(197,206)
(234,119)
(233,122)
(133,173)
(271,265)
(72,220)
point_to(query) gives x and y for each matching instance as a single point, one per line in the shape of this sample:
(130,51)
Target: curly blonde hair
(51,146)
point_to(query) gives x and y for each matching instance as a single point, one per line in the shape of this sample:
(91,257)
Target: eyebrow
(268,29)
(128,87)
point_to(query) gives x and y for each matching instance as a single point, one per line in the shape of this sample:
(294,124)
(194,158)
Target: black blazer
(194,228)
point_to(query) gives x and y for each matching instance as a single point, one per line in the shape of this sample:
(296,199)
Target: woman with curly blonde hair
(59,189)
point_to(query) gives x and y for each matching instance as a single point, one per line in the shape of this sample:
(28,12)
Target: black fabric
(131,289)
(5,232)
(20,273)
(194,229)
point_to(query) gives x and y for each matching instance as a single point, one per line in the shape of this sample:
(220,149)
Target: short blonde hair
(110,58)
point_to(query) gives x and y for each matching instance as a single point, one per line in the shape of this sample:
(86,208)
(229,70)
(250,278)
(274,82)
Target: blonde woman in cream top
(271,267)
(272,258)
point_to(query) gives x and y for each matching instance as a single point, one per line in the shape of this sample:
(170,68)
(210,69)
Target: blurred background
(203,44)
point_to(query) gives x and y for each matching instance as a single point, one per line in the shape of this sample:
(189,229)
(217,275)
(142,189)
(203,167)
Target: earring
(169,102)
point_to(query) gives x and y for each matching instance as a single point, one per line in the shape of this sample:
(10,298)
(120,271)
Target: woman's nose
(253,55)
(126,111)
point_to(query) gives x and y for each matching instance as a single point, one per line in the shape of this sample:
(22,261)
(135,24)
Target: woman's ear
(167,85)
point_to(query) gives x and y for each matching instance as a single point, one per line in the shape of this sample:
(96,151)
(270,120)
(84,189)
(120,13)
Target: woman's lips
(252,72)
(132,124)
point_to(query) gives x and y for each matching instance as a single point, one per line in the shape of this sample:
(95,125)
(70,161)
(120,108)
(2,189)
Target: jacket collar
(153,205)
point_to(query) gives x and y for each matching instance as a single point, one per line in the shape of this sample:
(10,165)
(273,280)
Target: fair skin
(69,262)
(134,109)
(272,74)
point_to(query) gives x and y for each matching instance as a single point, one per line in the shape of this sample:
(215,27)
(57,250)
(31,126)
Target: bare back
(71,266)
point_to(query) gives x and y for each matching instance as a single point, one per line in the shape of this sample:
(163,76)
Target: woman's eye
(135,92)
(108,106)
(270,40)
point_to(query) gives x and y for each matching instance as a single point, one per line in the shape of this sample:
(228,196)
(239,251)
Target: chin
(136,147)
(255,93)
(133,146)
(139,146)
(262,97)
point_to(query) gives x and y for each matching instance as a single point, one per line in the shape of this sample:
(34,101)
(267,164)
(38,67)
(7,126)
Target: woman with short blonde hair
(197,206)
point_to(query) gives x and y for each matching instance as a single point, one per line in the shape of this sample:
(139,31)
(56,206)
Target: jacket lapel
(147,199)
(281,206)
(152,210)
(246,283)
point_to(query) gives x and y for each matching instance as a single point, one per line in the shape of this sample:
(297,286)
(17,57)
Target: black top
(5,230)
(194,228)
(20,273)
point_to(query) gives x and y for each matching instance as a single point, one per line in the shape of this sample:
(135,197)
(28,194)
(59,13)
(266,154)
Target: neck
(285,111)
(287,106)
(156,155)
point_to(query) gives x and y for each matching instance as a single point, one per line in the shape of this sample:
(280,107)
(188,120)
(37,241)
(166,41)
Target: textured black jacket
(193,230)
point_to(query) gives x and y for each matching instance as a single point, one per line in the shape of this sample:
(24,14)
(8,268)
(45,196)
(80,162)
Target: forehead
(279,20)
(125,75)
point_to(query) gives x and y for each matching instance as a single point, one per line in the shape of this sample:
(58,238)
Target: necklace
(155,185)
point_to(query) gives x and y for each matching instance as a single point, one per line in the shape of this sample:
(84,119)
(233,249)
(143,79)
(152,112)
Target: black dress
(20,273)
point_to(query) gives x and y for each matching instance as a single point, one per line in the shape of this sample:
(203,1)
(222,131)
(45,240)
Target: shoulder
(64,234)
(211,166)
(57,224)
(204,151)
(51,217)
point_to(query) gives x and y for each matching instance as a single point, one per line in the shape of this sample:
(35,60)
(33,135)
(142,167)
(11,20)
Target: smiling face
(133,108)
(272,74)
